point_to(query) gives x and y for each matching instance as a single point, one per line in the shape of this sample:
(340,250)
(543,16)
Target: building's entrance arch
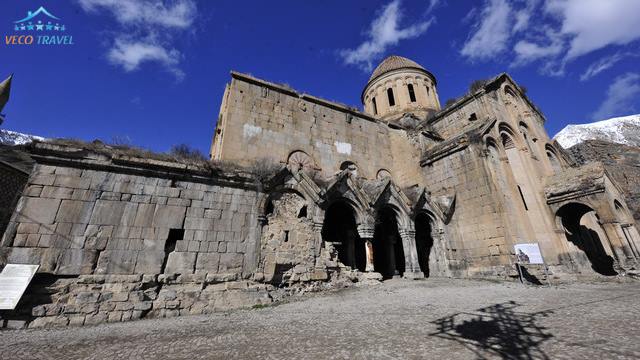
(424,241)
(388,254)
(339,228)
(580,223)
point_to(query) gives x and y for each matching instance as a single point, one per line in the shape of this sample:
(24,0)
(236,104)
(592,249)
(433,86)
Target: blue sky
(154,71)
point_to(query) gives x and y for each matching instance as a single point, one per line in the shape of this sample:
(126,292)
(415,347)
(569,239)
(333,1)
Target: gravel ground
(399,319)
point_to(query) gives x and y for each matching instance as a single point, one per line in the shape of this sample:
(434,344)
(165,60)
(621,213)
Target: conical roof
(394,62)
(5,89)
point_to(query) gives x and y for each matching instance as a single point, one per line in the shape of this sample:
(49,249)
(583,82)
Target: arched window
(375,106)
(524,129)
(507,141)
(507,136)
(348,165)
(412,94)
(392,101)
(553,159)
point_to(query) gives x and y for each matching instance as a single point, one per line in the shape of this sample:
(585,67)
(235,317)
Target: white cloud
(604,64)
(491,34)
(595,24)
(527,51)
(147,28)
(554,34)
(622,97)
(382,34)
(523,16)
(176,14)
(130,55)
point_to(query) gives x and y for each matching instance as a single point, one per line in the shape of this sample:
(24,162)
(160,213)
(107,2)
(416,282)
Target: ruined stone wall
(12,181)
(75,221)
(621,161)
(263,120)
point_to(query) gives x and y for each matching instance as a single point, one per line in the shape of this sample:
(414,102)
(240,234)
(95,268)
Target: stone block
(143,306)
(21,255)
(207,262)
(76,262)
(180,262)
(72,182)
(145,214)
(116,262)
(107,212)
(230,263)
(198,223)
(55,192)
(168,216)
(28,228)
(149,262)
(37,210)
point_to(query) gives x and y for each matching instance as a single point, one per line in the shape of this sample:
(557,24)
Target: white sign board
(528,254)
(14,280)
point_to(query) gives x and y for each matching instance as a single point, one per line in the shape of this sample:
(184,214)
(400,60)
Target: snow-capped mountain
(622,130)
(8,137)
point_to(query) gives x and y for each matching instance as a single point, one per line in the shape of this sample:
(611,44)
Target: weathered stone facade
(480,175)
(321,195)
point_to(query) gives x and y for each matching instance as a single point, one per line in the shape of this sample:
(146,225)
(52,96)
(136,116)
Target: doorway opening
(388,253)
(582,229)
(424,241)
(340,228)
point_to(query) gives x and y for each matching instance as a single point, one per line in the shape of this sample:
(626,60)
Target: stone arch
(425,224)
(340,232)
(383,174)
(552,157)
(508,136)
(388,248)
(511,95)
(622,212)
(526,134)
(349,165)
(580,223)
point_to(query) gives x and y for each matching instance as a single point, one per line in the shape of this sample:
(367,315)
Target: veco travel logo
(40,27)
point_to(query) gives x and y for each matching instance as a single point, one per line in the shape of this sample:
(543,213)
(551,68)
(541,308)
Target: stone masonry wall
(12,181)
(264,120)
(75,221)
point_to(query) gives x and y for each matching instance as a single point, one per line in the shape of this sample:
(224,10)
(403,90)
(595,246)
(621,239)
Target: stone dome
(394,62)
(397,86)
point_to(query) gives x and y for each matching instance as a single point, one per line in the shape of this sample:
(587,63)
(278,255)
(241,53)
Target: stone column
(366,234)
(411,264)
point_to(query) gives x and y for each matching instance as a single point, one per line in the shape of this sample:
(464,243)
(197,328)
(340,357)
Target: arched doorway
(388,253)
(424,241)
(339,228)
(580,223)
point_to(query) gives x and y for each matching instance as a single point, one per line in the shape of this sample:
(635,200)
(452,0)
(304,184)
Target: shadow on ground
(497,330)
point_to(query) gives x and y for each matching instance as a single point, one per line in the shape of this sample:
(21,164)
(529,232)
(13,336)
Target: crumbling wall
(12,181)
(288,240)
(75,221)
(622,162)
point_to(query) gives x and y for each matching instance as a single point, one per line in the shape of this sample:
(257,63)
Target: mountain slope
(8,137)
(622,130)
(621,161)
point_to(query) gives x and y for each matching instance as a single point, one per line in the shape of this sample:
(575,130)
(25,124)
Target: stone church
(408,188)
(305,193)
